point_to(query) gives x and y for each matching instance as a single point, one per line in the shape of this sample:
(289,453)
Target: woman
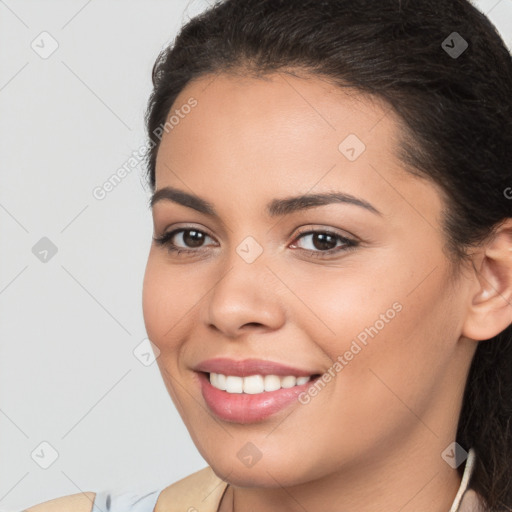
(330,280)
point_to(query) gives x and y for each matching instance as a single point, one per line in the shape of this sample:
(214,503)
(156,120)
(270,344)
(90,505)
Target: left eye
(325,242)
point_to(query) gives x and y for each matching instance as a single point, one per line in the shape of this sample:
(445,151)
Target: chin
(264,474)
(250,479)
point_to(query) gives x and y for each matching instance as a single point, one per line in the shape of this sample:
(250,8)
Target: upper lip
(245,367)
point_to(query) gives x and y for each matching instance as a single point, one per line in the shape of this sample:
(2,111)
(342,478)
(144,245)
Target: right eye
(189,237)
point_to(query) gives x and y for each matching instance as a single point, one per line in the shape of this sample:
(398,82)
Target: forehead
(279,100)
(275,117)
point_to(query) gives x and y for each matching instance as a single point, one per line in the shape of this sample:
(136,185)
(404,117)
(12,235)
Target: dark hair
(455,112)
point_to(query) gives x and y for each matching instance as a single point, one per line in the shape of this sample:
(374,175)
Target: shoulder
(81,502)
(202,490)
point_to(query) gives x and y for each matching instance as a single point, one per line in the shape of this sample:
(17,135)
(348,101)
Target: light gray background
(69,326)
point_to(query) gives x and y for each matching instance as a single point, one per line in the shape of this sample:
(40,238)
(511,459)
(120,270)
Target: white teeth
(254,384)
(272,383)
(221,381)
(218,380)
(234,384)
(288,382)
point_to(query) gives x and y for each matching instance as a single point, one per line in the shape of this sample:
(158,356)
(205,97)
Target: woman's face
(376,313)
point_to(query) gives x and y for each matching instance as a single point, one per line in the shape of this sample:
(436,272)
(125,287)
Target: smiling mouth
(245,399)
(257,383)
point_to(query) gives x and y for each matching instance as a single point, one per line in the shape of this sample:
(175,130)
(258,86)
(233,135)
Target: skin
(372,438)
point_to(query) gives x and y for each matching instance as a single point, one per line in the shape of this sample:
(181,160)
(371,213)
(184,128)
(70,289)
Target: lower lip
(248,408)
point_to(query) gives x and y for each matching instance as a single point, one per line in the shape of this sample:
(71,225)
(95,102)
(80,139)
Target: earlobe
(490,307)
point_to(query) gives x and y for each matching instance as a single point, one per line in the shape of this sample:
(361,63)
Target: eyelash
(350,244)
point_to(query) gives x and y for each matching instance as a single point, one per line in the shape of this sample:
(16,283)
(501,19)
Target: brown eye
(324,243)
(192,238)
(183,240)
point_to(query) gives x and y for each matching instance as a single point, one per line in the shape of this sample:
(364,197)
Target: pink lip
(244,407)
(250,367)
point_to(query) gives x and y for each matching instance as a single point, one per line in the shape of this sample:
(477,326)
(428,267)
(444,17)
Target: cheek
(394,343)
(388,321)
(150,301)
(338,304)
(163,307)
(159,300)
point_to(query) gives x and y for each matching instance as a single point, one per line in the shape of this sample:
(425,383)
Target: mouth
(253,398)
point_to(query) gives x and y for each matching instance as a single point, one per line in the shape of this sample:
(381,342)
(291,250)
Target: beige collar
(202,492)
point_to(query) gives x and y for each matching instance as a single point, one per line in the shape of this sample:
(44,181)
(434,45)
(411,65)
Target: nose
(246,297)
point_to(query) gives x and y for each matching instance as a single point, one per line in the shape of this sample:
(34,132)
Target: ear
(490,307)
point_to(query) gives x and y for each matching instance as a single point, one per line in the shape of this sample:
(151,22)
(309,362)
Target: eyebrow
(276,207)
